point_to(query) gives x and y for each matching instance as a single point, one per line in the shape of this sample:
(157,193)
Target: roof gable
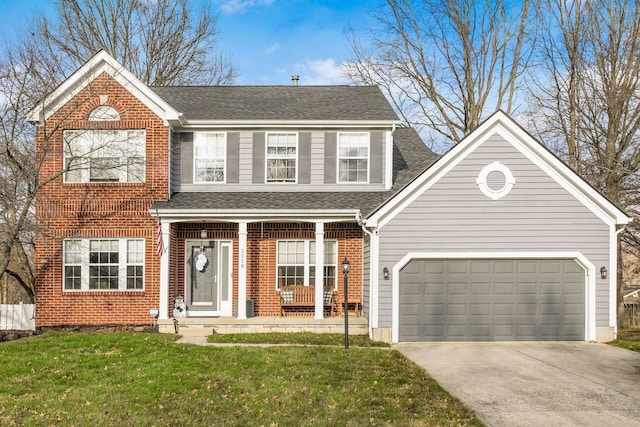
(81,78)
(501,124)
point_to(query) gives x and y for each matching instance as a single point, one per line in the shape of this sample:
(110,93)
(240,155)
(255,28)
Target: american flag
(160,243)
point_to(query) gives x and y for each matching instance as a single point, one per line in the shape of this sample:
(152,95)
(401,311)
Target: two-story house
(226,196)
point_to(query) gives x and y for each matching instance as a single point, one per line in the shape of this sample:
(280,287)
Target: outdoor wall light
(385,273)
(203,234)
(603,272)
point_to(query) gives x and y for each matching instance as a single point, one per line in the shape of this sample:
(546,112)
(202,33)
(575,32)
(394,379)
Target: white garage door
(492,300)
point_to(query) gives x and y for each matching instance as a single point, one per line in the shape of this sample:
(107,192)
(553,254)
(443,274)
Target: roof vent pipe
(295,79)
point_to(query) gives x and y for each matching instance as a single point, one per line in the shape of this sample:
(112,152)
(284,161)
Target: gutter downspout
(614,274)
(373,274)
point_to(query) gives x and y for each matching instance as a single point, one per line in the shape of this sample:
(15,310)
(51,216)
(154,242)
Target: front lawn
(107,378)
(629,339)
(298,338)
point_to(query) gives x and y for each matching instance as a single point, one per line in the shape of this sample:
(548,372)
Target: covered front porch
(234,275)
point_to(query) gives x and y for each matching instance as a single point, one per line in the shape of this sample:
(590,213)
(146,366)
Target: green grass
(628,339)
(302,338)
(141,379)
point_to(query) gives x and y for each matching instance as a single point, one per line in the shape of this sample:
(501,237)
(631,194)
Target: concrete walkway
(537,384)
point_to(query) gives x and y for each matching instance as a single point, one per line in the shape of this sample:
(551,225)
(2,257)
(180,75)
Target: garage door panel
(462,300)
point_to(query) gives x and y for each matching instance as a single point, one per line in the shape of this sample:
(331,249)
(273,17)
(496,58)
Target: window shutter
(330,157)
(304,158)
(258,157)
(375,168)
(185,141)
(233,155)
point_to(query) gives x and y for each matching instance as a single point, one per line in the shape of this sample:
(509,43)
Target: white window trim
(224,159)
(266,157)
(85,170)
(307,262)
(338,158)
(122,266)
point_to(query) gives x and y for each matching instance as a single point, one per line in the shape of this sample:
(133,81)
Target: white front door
(208,284)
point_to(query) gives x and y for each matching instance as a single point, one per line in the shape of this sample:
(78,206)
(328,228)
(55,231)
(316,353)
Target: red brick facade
(97,210)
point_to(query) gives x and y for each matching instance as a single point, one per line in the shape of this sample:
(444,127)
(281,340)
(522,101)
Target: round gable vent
(495,180)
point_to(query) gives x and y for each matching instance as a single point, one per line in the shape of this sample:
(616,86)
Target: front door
(208,278)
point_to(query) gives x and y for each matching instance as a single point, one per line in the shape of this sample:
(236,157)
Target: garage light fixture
(603,272)
(385,273)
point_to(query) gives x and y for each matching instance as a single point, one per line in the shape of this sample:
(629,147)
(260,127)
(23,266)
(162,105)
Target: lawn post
(345,270)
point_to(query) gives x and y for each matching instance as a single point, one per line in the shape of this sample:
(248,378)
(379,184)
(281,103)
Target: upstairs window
(209,156)
(282,157)
(112,155)
(353,157)
(104,113)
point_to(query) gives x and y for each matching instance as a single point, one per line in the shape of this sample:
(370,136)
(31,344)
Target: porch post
(242,270)
(319,299)
(164,272)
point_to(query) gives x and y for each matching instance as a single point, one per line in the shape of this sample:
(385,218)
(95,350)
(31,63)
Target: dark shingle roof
(410,158)
(258,103)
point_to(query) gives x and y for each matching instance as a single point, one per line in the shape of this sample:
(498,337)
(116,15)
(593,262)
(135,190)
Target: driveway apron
(537,384)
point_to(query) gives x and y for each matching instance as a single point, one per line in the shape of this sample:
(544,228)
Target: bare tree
(446,64)
(162,42)
(590,113)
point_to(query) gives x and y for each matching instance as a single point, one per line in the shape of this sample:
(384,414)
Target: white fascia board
(81,78)
(255,215)
(503,125)
(365,124)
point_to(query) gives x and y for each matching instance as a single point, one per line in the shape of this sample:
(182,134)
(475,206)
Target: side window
(281,157)
(209,156)
(115,155)
(353,157)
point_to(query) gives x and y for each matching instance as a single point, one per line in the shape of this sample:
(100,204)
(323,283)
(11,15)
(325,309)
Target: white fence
(17,317)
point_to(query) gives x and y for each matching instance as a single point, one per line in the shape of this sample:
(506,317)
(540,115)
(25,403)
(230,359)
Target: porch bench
(304,296)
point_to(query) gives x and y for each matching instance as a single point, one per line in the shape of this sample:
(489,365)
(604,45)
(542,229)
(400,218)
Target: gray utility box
(250,308)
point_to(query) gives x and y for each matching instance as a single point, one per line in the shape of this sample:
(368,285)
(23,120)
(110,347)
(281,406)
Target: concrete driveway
(537,384)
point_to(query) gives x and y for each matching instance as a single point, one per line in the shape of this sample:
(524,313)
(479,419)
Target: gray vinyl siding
(317,163)
(537,215)
(245,161)
(366,268)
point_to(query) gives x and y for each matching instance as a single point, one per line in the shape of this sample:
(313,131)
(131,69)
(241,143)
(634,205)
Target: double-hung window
(296,263)
(104,155)
(209,156)
(353,157)
(282,157)
(103,264)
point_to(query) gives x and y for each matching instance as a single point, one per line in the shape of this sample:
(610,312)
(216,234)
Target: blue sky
(268,40)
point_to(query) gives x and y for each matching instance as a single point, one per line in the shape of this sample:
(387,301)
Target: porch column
(242,270)
(163,310)
(319,271)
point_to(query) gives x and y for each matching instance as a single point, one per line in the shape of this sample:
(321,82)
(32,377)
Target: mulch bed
(15,335)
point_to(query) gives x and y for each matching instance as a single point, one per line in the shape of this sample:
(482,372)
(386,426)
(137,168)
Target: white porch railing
(17,317)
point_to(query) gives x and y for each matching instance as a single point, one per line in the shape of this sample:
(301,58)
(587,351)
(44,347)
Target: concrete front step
(193,326)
